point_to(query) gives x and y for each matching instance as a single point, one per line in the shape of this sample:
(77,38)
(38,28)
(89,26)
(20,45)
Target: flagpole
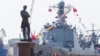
(31,7)
(31,10)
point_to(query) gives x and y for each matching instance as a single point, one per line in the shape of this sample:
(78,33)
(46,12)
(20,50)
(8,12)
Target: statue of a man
(25,24)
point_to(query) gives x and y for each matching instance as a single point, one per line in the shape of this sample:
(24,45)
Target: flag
(39,35)
(50,10)
(33,37)
(74,10)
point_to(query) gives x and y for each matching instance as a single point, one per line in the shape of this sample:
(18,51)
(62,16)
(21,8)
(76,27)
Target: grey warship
(59,32)
(61,36)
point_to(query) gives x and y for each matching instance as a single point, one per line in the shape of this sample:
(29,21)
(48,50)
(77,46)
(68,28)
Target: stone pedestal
(26,48)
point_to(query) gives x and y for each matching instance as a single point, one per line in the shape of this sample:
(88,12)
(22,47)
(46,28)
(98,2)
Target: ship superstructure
(60,35)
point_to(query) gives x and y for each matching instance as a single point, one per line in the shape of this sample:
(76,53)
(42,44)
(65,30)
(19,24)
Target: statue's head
(25,7)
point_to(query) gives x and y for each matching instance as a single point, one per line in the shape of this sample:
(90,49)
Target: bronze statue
(25,26)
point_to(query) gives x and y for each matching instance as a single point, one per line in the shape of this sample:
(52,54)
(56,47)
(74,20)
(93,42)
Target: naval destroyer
(64,38)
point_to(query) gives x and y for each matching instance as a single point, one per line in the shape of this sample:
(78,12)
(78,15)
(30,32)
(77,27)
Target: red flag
(74,10)
(50,10)
(33,37)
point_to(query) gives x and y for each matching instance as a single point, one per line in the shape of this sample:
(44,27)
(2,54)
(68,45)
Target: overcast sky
(10,18)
